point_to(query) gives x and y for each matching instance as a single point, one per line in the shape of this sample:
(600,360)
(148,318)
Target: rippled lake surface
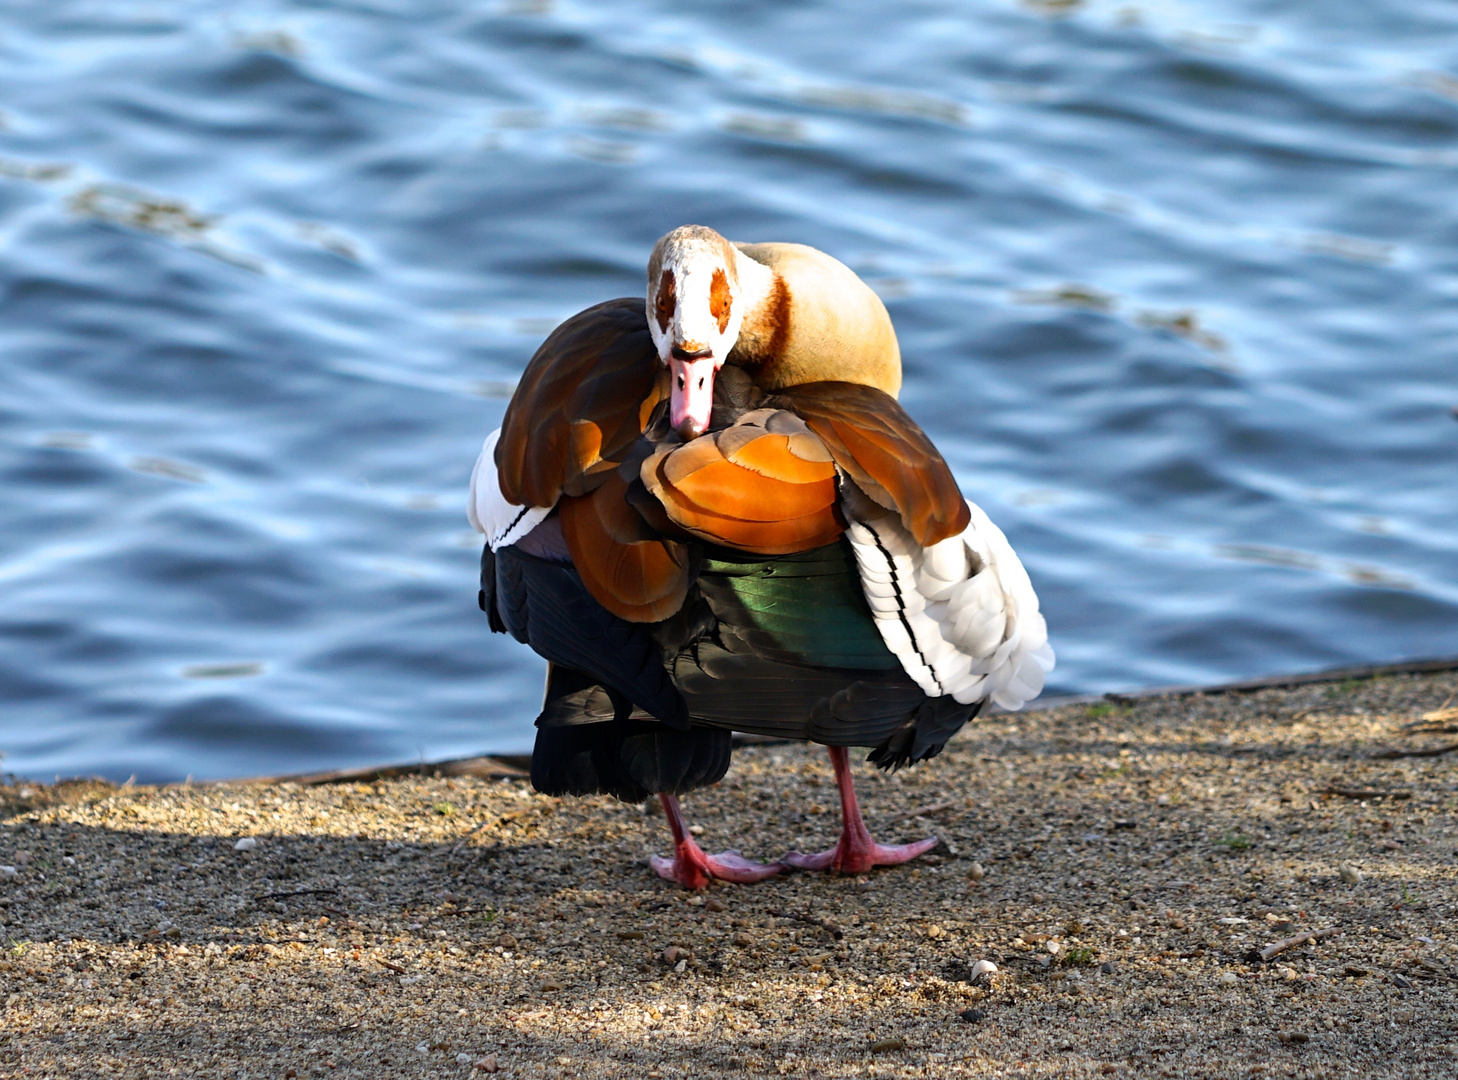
(1175,285)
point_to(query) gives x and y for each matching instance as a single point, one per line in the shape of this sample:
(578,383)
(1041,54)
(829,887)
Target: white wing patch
(489,512)
(961,615)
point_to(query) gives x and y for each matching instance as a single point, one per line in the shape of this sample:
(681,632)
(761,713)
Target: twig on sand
(1300,939)
(805,917)
(1432,751)
(467,835)
(1363,793)
(297,892)
(396,968)
(925,811)
(1441,720)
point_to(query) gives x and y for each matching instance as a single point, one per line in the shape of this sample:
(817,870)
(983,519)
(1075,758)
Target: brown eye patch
(667,300)
(719,299)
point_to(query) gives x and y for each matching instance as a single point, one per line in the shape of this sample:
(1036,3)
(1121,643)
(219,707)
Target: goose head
(697,301)
(786,313)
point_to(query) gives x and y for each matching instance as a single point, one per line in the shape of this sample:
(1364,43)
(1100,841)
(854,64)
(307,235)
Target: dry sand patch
(1121,864)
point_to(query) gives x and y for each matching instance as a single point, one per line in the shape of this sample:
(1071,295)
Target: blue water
(1175,285)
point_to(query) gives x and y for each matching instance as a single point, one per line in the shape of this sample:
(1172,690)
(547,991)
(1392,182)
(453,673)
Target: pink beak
(692,397)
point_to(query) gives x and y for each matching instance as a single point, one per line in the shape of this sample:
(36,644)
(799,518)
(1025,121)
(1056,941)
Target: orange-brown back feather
(750,488)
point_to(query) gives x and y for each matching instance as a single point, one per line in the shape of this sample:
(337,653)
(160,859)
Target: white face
(692,307)
(694,317)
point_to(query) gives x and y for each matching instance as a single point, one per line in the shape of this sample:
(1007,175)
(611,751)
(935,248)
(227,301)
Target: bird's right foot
(692,868)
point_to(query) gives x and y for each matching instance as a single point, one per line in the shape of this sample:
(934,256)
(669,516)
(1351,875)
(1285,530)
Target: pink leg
(855,852)
(692,869)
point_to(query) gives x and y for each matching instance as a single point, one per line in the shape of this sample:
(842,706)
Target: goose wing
(960,614)
(946,592)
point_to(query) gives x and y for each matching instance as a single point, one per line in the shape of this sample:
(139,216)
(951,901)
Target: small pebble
(973,1015)
(1108,967)
(976,871)
(1350,874)
(697,830)
(885,1046)
(712,904)
(741,939)
(488,1064)
(1287,973)
(631,935)
(463,1059)
(246,843)
(674,955)
(507,941)
(7,873)
(1229,978)
(1293,1037)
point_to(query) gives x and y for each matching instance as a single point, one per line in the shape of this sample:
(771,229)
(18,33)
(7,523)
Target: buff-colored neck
(808,318)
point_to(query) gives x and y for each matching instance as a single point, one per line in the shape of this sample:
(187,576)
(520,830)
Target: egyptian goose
(719,519)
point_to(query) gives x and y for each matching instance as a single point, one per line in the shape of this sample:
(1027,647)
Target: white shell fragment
(246,843)
(982,971)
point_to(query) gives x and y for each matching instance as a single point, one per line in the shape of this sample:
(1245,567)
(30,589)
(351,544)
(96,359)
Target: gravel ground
(1121,864)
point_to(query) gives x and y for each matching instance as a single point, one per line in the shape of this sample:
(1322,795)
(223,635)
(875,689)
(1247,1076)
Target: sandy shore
(1122,865)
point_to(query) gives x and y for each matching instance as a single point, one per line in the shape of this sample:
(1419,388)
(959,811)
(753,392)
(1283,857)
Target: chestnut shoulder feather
(884,452)
(582,402)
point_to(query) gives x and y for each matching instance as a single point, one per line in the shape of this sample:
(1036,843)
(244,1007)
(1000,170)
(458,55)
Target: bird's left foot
(692,868)
(856,855)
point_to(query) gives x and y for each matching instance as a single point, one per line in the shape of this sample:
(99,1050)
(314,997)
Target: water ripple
(1174,287)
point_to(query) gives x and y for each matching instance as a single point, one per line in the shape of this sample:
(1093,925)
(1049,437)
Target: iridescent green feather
(807,608)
